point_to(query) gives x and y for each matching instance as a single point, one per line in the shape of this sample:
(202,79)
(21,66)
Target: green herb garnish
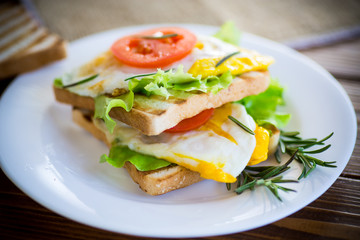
(81,81)
(161,37)
(267,176)
(292,144)
(271,184)
(241,125)
(143,75)
(226,58)
(271,171)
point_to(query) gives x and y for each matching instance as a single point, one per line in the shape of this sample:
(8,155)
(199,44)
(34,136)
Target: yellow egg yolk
(214,124)
(199,45)
(236,65)
(260,153)
(208,170)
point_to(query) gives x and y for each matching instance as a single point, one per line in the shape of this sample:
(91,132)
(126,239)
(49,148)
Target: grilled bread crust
(154,182)
(153,115)
(25,45)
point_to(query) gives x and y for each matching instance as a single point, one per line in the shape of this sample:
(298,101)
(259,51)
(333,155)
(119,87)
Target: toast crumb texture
(155,182)
(25,45)
(152,115)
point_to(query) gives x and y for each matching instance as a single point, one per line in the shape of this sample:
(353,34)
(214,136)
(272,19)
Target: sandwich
(168,104)
(25,44)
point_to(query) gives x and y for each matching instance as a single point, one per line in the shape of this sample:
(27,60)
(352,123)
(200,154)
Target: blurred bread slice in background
(25,44)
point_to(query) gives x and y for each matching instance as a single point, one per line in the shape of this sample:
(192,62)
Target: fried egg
(218,150)
(201,61)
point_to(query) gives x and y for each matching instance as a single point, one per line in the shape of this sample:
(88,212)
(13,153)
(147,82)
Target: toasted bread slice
(152,182)
(24,44)
(152,115)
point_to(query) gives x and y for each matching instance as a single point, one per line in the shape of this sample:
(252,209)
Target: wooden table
(335,215)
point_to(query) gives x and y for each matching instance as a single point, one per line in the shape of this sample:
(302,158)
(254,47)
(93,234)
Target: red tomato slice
(154,53)
(193,122)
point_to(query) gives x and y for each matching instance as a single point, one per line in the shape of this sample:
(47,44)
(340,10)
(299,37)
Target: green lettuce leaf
(161,82)
(118,155)
(158,84)
(263,107)
(58,83)
(229,33)
(104,104)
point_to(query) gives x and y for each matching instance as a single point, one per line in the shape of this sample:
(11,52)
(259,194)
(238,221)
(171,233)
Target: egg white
(197,145)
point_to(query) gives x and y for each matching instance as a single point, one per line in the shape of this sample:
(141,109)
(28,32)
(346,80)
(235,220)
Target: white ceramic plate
(57,163)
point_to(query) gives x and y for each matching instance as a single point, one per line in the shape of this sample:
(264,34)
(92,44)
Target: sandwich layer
(154,182)
(152,115)
(159,181)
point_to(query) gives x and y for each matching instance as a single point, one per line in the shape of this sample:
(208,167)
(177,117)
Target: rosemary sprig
(271,171)
(255,176)
(292,144)
(81,81)
(271,184)
(241,125)
(142,75)
(226,58)
(160,37)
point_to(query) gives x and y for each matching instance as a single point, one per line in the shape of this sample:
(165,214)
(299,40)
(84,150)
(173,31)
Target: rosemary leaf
(318,150)
(289,134)
(303,173)
(282,146)
(239,182)
(310,169)
(226,58)
(258,168)
(142,75)
(160,37)
(247,178)
(276,171)
(280,180)
(81,81)
(248,130)
(273,189)
(246,186)
(298,142)
(266,172)
(286,189)
(304,160)
(327,137)
(320,162)
(278,154)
